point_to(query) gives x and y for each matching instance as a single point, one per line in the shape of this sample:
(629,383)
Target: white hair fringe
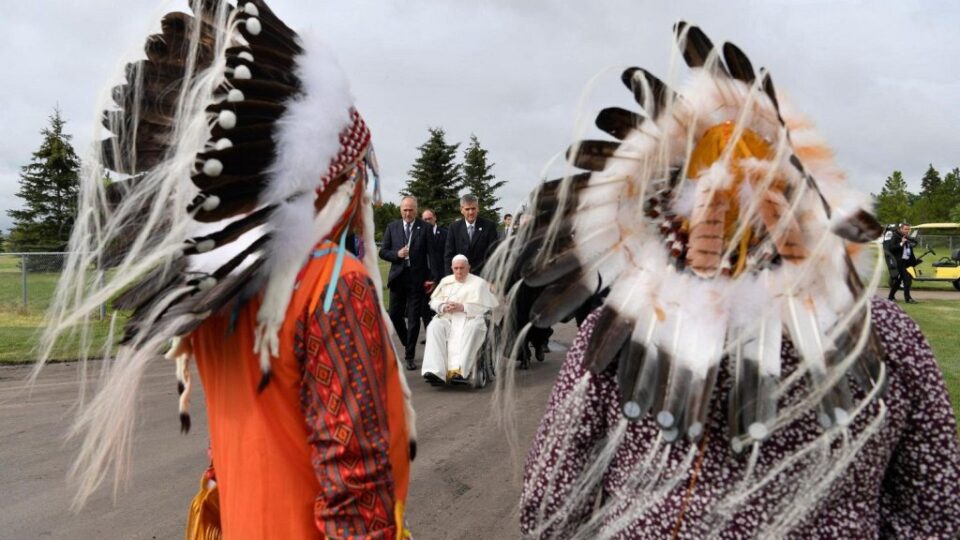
(105,424)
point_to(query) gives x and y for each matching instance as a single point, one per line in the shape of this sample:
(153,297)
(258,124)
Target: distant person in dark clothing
(472,236)
(900,245)
(439,241)
(507,224)
(406,244)
(537,338)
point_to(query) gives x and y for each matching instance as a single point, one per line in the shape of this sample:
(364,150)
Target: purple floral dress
(905,483)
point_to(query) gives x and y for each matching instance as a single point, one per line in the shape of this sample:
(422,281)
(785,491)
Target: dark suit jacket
(420,245)
(437,270)
(476,250)
(896,250)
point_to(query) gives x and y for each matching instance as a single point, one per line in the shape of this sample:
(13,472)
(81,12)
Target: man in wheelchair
(455,335)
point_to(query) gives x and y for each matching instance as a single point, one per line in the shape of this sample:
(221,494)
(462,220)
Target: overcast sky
(880,79)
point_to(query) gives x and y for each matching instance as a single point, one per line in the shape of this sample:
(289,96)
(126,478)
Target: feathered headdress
(721,224)
(236,148)
(722,227)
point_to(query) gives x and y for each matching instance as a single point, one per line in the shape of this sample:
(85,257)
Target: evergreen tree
(478,181)
(932,204)
(49,187)
(382,216)
(950,192)
(435,179)
(893,204)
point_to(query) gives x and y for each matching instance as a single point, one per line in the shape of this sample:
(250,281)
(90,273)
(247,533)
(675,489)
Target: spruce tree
(951,190)
(49,187)
(933,204)
(478,181)
(893,204)
(382,216)
(435,179)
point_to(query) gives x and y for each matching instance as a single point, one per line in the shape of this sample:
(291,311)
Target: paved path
(924,294)
(463,482)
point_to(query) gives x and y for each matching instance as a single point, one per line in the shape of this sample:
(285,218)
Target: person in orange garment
(240,167)
(323,448)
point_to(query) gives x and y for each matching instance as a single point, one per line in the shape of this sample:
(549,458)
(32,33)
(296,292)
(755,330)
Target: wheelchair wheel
(481,374)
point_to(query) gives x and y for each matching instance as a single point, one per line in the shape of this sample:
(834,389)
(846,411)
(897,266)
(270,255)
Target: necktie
(406,242)
(470,231)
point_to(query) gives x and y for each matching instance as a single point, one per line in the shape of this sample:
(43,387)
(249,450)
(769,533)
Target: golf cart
(933,237)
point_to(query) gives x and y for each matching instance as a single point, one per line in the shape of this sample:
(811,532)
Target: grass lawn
(940,322)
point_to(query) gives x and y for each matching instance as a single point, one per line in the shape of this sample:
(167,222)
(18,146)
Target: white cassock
(454,339)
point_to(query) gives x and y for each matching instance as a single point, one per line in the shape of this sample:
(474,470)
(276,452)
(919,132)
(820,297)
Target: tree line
(438,180)
(49,187)
(937,202)
(50,184)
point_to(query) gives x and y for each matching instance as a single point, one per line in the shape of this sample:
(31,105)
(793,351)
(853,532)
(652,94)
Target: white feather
(308,133)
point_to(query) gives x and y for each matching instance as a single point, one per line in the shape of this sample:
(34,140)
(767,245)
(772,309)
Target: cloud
(877,77)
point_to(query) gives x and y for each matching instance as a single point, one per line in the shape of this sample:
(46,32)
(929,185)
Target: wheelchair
(483,370)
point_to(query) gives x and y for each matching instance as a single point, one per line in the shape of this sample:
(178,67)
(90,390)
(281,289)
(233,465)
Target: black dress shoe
(912,301)
(411,365)
(433,379)
(538,352)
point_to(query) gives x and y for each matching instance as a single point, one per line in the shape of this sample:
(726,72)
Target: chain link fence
(943,246)
(28,280)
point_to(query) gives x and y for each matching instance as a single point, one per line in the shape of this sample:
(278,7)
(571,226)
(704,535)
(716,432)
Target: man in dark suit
(507,224)
(472,236)
(439,237)
(900,245)
(407,244)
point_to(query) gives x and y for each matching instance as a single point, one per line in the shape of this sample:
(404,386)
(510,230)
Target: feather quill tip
(264,381)
(632,410)
(665,419)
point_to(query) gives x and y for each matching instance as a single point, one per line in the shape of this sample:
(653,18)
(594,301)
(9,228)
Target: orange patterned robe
(323,450)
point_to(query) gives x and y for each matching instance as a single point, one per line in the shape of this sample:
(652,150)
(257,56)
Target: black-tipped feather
(611,333)
(698,405)
(862,227)
(659,93)
(250,112)
(235,199)
(559,301)
(629,365)
(227,290)
(542,273)
(145,290)
(738,64)
(697,47)
(592,155)
(264,381)
(232,231)
(619,122)
(674,403)
(240,159)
